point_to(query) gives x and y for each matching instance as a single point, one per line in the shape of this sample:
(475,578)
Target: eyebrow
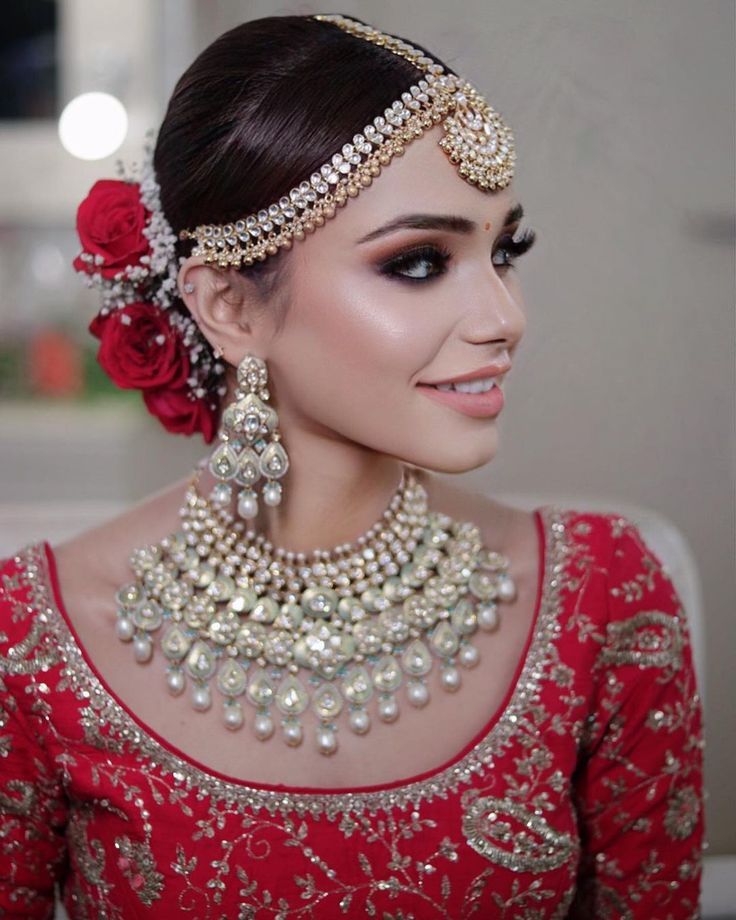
(449,222)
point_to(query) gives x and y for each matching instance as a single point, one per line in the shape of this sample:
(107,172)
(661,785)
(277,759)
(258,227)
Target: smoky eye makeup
(426,262)
(417,263)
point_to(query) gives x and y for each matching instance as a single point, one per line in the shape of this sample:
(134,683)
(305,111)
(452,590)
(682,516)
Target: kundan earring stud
(250,445)
(188,288)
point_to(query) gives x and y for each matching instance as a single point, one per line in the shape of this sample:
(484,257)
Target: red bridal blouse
(582,797)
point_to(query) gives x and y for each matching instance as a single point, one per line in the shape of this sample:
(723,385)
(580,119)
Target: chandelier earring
(250,443)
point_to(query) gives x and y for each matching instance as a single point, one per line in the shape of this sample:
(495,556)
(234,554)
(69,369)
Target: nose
(495,311)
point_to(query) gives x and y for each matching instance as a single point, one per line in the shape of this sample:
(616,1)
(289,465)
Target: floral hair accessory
(148,339)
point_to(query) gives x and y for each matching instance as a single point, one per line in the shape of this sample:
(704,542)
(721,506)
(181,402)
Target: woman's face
(376,312)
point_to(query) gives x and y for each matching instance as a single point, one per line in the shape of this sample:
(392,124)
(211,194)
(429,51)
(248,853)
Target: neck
(330,496)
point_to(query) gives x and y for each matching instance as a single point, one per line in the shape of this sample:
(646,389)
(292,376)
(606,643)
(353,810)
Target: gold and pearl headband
(476,138)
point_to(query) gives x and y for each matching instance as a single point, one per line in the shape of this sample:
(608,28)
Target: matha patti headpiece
(476,139)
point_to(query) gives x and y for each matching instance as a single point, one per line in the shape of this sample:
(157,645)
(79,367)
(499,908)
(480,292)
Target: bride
(313,678)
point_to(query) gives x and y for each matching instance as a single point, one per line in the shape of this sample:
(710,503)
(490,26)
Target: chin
(455,457)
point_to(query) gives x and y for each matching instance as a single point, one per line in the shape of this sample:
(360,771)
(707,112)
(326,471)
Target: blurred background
(623,390)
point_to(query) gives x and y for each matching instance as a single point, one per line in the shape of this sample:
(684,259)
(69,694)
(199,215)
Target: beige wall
(624,386)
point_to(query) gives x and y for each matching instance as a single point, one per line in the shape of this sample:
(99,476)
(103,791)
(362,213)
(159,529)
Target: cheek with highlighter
(375,349)
(367,344)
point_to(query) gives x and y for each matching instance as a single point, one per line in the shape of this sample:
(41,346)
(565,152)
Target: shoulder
(586,538)
(99,556)
(609,540)
(85,569)
(642,623)
(15,591)
(23,625)
(612,544)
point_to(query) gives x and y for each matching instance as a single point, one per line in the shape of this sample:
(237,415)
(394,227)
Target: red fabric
(588,803)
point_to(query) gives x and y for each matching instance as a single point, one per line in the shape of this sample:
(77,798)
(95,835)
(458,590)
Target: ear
(224,305)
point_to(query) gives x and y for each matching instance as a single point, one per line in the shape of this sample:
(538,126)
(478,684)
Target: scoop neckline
(535,634)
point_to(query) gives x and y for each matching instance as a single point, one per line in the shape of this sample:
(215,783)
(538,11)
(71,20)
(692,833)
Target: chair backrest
(665,539)
(21,523)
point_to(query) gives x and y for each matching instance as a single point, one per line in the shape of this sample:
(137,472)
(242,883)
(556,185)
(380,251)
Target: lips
(476,405)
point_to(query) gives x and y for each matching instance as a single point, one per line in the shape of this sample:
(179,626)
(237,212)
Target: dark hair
(259,110)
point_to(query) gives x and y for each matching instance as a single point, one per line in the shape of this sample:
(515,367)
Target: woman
(313,679)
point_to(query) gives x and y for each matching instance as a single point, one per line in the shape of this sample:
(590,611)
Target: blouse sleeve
(638,786)
(32,813)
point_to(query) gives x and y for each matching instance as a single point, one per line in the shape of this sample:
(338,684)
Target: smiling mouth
(481,398)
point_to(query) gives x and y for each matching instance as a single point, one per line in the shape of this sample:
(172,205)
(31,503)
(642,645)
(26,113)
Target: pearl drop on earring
(263,726)
(248,505)
(272,494)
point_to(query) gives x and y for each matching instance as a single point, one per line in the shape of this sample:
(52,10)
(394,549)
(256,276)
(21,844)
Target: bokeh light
(93,126)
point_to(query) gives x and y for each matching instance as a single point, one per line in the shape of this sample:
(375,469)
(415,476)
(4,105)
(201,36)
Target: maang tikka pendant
(251,443)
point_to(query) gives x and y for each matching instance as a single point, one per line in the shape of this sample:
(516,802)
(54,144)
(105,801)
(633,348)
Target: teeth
(470,386)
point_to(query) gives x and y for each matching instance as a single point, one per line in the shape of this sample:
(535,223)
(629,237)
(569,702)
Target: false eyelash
(430,253)
(517,247)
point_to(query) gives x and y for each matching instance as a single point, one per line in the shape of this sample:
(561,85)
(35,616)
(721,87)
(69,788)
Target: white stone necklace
(336,631)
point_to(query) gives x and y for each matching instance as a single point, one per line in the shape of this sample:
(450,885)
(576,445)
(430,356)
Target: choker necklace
(335,632)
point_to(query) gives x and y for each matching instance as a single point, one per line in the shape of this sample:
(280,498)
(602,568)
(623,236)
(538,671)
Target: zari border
(123,733)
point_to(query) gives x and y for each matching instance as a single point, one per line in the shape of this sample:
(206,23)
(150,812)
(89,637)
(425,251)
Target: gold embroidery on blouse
(108,726)
(632,641)
(259,838)
(524,842)
(649,639)
(18,661)
(137,864)
(20,798)
(683,812)
(88,855)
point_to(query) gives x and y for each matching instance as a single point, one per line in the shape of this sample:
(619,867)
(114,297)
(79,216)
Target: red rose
(140,348)
(110,224)
(180,414)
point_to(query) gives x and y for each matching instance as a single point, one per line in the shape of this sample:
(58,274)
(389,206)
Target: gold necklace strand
(381,553)
(220,612)
(403,497)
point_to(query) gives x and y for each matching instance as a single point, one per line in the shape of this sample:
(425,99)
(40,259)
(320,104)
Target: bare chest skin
(93,565)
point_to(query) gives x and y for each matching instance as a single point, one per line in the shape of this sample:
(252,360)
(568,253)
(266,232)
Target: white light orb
(93,126)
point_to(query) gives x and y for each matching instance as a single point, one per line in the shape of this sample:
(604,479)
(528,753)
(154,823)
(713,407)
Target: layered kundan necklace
(341,632)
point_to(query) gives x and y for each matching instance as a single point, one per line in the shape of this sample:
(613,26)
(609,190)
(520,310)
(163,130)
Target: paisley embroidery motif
(511,835)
